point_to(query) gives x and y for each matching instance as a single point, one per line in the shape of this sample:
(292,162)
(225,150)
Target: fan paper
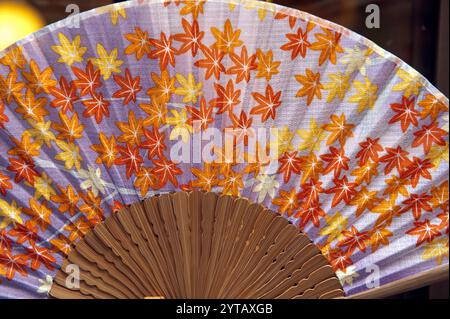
(93,107)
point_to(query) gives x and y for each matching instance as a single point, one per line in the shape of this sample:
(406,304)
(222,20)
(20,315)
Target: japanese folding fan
(217,149)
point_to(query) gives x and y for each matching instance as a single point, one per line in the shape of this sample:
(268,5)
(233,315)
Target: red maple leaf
(5,241)
(339,260)
(23,169)
(40,255)
(343,190)
(268,103)
(310,191)
(97,106)
(25,232)
(369,150)
(166,170)
(417,203)
(395,158)
(310,212)
(12,264)
(242,127)
(129,87)
(243,64)
(298,43)
(425,230)
(202,117)
(406,113)
(4,183)
(154,142)
(226,98)
(336,161)
(418,168)
(65,96)
(165,52)
(289,163)
(354,239)
(428,135)
(191,38)
(129,157)
(87,81)
(212,62)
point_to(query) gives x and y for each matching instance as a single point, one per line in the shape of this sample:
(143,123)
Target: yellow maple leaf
(410,83)
(70,52)
(338,86)
(438,249)
(312,137)
(366,94)
(41,133)
(336,225)
(188,88)
(70,155)
(43,187)
(10,213)
(181,126)
(107,63)
(437,154)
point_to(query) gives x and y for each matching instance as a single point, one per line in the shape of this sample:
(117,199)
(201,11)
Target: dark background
(414,30)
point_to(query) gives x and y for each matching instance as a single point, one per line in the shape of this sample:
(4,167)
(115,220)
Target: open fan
(284,114)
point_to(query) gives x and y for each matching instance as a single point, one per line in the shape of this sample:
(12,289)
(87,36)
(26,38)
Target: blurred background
(414,30)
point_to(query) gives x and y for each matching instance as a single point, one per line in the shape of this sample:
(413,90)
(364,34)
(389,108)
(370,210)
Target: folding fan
(217,149)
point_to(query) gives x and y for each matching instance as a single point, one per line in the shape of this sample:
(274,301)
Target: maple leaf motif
(298,43)
(92,207)
(338,86)
(107,62)
(311,86)
(189,89)
(440,196)
(156,111)
(164,51)
(232,183)
(266,66)
(339,129)
(366,96)
(309,212)
(129,157)
(61,244)
(4,184)
(10,264)
(69,129)
(243,65)
(206,179)
(425,230)
(191,38)
(336,161)
(107,150)
(437,249)
(267,104)
(428,135)
(288,202)
(406,113)
(379,236)
(23,169)
(417,202)
(38,256)
(364,199)
(395,186)
(444,221)
(310,191)
(27,232)
(3,117)
(418,168)
(432,107)
(145,179)
(154,142)
(339,260)
(32,108)
(354,239)
(365,172)
(70,154)
(192,7)
(242,127)
(97,106)
(5,241)
(10,88)
(131,130)
(39,213)
(140,43)
(70,52)
(227,40)
(37,80)
(226,98)
(395,158)
(78,229)
(65,96)
(164,87)
(343,190)
(67,200)
(25,149)
(289,163)
(311,167)
(87,81)
(387,210)
(369,150)
(291,19)
(166,170)
(410,84)
(212,62)
(328,44)
(129,87)
(14,58)
(200,118)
